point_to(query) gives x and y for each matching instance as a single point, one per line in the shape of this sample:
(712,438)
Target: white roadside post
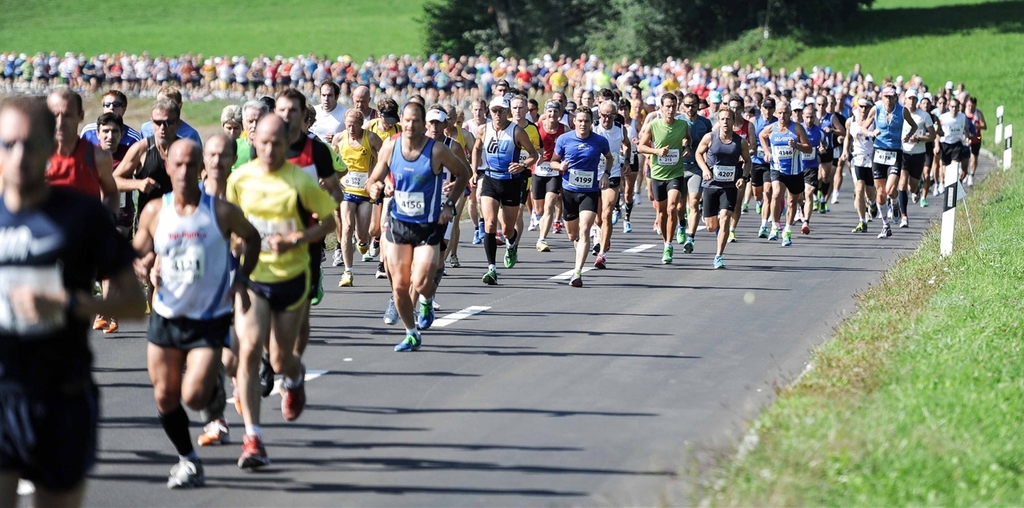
(999,124)
(948,220)
(1008,148)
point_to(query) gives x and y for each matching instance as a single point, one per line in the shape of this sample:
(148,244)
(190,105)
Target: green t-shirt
(669,166)
(244,152)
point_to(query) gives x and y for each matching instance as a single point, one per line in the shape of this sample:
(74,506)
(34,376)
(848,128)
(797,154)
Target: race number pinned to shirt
(809,156)
(581,179)
(782,152)
(184,264)
(760,151)
(669,159)
(270,227)
(724,173)
(885,157)
(544,169)
(355,180)
(410,204)
(38,280)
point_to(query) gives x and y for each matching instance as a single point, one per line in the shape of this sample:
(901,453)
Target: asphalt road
(551,396)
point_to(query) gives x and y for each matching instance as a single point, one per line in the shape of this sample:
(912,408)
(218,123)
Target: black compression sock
(175,424)
(903,198)
(490,247)
(437,276)
(514,238)
(629,210)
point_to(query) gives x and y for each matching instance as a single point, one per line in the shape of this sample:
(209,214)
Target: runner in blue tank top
(420,212)
(724,160)
(759,174)
(887,119)
(780,143)
(811,164)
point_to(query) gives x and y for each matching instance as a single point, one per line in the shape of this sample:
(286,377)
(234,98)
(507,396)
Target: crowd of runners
(221,241)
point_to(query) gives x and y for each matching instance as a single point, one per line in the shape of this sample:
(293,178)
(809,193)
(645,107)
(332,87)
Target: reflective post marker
(999,124)
(1008,148)
(948,221)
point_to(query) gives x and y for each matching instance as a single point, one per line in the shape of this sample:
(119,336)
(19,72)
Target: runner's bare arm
(802,144)
(478,146)
(765,146)
(375,182)
(108,187)
(125,172)
(233,222)
(645,145)
(747,165)
(143,240)
(909,118)
(701,156)
(523,140)
(456,166)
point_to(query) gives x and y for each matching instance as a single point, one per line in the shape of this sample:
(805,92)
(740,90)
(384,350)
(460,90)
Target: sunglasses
(164,123)
(113,104)
(689,104)
(607,116)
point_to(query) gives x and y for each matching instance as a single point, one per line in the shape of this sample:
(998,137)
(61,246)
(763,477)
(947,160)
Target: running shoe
(627,227)
(732,237)
(666,255)
(688,245)
(805,229)
(576,280)
(293,400)
(600,263)
(825,208)
(757,207)
(319,296)
(253,454)
(533,224)
(557,226)
(500,238)
(595,246)
(412,342)
(774,233)
(542,246)
(873,211)
(745,208)
(490,278)
(970,180)
(391,313)
(924,202)
(719,262)
(886,232)
(680,235)
(186,474)
(453,260)
(100,323)
(636,198)
(511,255)
(763,232)
(363,248)
(346,280)
(374,248)
(904,223)
(111,327)
(214,433)
(478,237)
(861,227)
(835,197)
(787,238)
(913,197)
(266,375)
(615,216)
(437,306)
(426,315)
(381,273)
(338,259)
(367,257)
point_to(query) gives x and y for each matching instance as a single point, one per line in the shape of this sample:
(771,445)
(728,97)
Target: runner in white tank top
(618,142)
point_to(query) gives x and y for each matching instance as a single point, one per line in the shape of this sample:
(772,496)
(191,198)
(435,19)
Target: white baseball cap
(499,102)
(436,115)
(949,85)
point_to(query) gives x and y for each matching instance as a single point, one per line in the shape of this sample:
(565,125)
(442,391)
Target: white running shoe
(337,257)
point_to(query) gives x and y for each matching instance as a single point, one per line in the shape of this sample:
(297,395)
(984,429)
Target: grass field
(354,27)
(918,399)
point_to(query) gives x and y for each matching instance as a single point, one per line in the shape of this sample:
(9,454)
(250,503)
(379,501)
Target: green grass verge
(355,27)
(918,399)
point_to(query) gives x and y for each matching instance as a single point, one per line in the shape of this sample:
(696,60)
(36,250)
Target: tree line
(647,29)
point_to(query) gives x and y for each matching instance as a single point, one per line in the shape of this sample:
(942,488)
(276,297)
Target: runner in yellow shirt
(358,148)
(270,191)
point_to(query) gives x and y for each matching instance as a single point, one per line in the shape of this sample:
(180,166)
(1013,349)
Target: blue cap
(715,97)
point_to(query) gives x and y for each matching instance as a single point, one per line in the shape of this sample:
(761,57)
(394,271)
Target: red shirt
(76,171)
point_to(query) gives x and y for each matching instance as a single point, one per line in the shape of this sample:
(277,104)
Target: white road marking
(568,275)
(638,248)
(455,316)
(310,375)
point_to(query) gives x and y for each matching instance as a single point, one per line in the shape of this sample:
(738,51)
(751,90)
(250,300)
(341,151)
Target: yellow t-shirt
(359,162)
(271,202)
(377,127)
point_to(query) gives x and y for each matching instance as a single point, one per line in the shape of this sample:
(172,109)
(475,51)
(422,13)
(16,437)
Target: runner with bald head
(184,241)
(276,196)
(361,103)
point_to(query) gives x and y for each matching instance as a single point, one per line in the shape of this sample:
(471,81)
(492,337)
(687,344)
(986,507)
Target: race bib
(544,169)
(38,280)
(269,227)
(183,265)
(355,180)
(885,157)
(581,179)
(956,130)
(411,204)
(782,152)
(760,151)
(724,173)
(861,161)
(809,156)
(669,159)
(837,153)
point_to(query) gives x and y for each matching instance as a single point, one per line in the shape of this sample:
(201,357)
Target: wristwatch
(449,202)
